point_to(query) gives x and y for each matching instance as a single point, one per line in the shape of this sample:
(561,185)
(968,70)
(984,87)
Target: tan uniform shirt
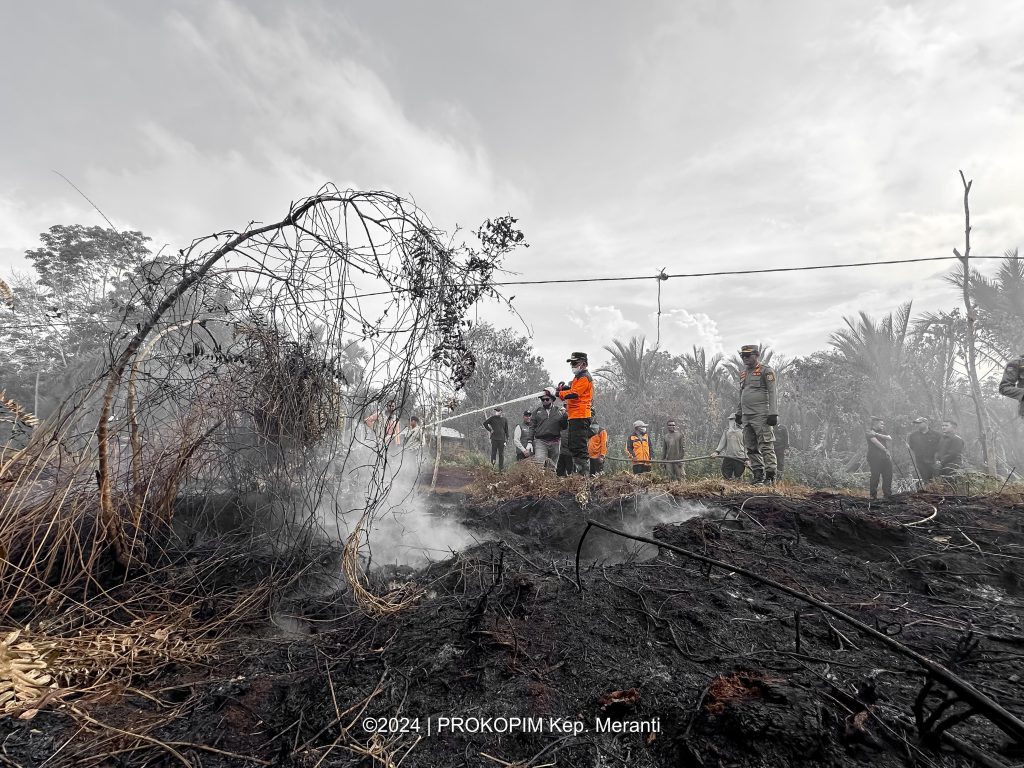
(758,392)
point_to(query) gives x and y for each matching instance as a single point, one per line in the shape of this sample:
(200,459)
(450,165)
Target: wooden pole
(972,364)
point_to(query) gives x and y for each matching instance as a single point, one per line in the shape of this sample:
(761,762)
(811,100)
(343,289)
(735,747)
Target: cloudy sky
(626,137)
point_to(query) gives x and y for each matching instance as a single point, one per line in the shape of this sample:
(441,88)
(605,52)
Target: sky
(625,137)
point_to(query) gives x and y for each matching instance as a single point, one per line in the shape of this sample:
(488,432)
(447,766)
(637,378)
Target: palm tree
(939,342)
(1000,305)
(711,394)
(633,366)
(708,372)
(877,352)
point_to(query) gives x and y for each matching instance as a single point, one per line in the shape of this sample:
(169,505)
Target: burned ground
(733,671)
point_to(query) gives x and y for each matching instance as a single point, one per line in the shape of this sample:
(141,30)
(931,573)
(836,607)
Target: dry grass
(373,605)
(525,480)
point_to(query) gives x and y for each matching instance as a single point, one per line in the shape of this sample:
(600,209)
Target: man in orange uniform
(597,446)
(638,446)
(577,397)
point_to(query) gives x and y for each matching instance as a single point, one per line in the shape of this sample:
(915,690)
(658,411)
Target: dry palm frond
(373,605)
(21,415)
(24,674)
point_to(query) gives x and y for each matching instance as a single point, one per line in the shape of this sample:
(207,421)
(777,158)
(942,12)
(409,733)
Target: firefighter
(577,398)
(638,446)
(597,446)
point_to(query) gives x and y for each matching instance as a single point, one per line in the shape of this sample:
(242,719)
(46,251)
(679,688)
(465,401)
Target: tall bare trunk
(972,368)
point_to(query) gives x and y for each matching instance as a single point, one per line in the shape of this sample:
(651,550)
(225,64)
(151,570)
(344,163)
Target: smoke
(402,530)
(640,519)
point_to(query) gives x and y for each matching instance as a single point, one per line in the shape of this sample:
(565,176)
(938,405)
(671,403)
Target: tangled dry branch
(253,356)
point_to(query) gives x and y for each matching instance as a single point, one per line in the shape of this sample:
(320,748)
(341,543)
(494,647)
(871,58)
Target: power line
(683,275)
(661,276)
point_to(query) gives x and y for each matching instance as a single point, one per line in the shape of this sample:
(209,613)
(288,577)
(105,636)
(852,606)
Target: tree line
(58,321)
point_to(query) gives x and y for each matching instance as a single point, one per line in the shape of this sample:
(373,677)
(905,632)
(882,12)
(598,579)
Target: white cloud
(308,103)
(681,330)
(605,322)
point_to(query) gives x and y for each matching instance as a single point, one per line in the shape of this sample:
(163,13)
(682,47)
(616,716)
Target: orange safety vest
(640,448)
(582,387)
(597,445)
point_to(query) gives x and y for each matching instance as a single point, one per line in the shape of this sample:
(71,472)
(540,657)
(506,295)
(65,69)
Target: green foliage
(506,367)
(636,368)
(999,303)
(59,323)
(77,261)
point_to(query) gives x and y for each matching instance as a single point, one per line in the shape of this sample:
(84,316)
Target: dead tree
(342,268)
(972,366)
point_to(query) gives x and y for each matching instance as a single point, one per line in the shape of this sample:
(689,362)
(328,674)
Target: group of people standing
(562,432)
(933,454)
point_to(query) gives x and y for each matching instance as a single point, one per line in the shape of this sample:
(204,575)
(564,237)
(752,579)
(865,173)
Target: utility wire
(660,276)
(682,275)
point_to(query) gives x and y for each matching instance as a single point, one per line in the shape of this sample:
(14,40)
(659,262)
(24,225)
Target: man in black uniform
(879,457)
(781,444)
(951,450)
(923,444)
(1012,384)
(497,426)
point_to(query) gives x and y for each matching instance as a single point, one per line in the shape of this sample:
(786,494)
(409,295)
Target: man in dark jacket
(1012,384)
(548,422)
(950,454)
(879,457)
(497,425)
(923,444)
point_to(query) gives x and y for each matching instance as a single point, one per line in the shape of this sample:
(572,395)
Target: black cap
(527,413)
(577,357)
(746,349)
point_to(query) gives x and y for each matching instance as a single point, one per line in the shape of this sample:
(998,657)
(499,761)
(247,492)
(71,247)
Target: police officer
(758,412)
(1012,384)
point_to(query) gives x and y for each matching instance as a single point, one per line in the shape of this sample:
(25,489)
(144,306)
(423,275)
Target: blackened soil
(714,659)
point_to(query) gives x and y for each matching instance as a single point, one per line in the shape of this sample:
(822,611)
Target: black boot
(758,476)
(769,478)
